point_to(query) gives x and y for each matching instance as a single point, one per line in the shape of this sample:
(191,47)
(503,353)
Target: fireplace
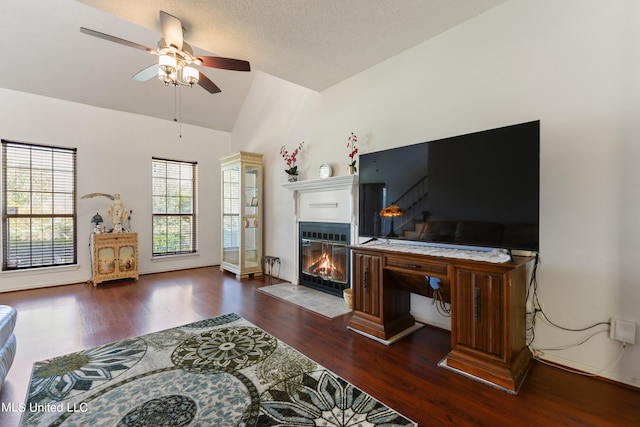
(324,256)
(326,221)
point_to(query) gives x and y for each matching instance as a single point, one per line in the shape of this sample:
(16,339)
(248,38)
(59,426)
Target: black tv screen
(479,189)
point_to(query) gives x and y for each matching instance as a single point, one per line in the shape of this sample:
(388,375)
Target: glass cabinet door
(231,216)
(252,227)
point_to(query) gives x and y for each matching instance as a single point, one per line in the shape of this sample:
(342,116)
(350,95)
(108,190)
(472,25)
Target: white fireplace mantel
(333,199)
(323,184)
(330,199)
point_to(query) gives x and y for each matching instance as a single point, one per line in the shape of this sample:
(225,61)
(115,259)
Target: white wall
(572,64)
(114,156)
(271,117)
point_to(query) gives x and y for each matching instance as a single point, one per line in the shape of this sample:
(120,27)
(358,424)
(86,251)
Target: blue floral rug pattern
(223,371)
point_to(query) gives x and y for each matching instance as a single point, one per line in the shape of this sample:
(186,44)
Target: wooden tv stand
(488,324)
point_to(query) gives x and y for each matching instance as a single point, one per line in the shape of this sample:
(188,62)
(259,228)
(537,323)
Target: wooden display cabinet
(114,256)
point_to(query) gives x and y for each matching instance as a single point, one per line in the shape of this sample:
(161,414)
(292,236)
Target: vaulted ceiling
(312,43)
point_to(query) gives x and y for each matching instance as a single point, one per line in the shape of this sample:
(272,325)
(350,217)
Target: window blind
(174,207)
(38,205)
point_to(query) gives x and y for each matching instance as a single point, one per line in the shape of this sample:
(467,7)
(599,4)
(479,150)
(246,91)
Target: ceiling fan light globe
(164,77)
(190,75)
(167,63)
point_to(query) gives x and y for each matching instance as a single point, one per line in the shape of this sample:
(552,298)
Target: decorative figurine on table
(117,212)
(97,220)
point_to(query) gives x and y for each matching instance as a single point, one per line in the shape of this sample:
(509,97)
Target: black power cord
(532,291)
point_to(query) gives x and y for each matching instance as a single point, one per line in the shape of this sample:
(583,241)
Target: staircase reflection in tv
(324,256)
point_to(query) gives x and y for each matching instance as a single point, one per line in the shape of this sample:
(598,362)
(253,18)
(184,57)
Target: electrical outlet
(624,331)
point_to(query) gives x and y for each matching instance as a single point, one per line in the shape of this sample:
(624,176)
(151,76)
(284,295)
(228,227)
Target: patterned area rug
(218,372)
(319,302)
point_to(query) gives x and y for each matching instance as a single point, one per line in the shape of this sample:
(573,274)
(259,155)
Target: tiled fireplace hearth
(325,223)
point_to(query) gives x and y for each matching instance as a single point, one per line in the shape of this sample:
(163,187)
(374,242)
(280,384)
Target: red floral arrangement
(291,158)
(351,144)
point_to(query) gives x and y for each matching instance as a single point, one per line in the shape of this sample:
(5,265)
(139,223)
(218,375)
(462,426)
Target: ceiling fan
(176,60)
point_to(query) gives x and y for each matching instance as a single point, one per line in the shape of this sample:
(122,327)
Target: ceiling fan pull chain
(177,109)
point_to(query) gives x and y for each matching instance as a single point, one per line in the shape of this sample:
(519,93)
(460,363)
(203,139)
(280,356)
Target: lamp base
(391,233)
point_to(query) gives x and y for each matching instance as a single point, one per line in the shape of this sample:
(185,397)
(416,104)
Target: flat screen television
(480,189)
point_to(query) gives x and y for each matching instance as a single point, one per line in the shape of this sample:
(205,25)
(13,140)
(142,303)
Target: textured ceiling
(313,43)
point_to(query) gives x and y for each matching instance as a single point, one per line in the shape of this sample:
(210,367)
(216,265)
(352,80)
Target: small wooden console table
(488,303)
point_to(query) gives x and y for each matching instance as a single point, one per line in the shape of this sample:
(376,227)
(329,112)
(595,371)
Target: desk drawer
(418,265)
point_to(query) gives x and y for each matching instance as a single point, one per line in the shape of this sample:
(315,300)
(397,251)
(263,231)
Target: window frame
(53,200)
(188,242)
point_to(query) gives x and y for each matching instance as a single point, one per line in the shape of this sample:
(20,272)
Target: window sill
(173,257)
(40,270)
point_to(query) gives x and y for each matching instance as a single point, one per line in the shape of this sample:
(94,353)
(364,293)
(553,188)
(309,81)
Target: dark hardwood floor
(405,376)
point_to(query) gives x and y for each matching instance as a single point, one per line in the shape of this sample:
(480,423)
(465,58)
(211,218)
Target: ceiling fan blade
(207,84)
(116,39)
(146,73)
(171,30)
(225,63)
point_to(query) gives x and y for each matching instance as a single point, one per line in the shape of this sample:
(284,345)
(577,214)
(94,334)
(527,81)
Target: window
(38,206)
(174,207)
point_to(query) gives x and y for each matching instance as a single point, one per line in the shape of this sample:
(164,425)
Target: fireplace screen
(324,256)
(324,259)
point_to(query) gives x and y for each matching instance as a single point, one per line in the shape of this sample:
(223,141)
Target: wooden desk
(488,303)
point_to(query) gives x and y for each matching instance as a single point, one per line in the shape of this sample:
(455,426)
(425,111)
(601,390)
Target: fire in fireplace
(324,256)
